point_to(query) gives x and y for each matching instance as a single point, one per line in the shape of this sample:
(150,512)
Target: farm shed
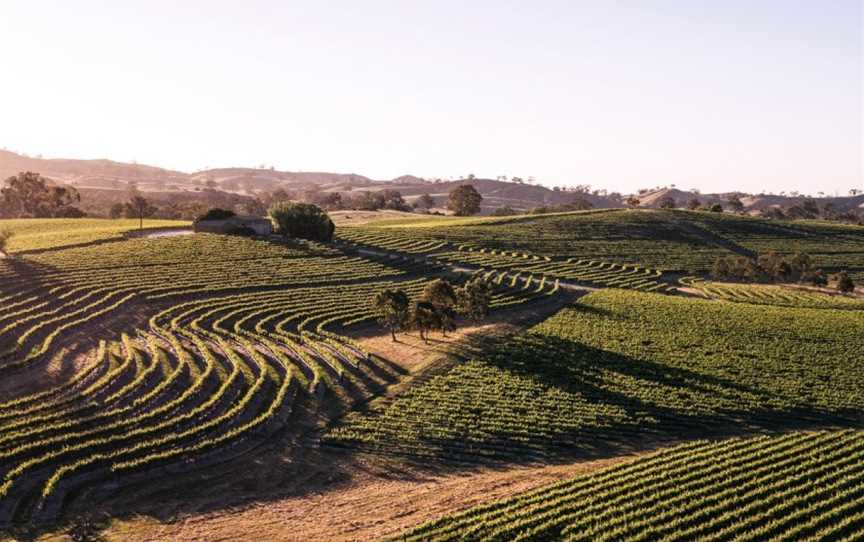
(260,225)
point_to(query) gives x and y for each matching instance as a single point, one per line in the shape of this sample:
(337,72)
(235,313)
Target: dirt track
(370,508)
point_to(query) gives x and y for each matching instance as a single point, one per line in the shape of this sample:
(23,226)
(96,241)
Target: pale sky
(713,94)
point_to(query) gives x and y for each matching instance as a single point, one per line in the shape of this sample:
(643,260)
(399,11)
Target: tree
(633,202)
(255,207)
(735,203)
(5,235)
(393,200)
(473,299)
(425,201)
(694,203)
(439,292)
(668,202)
(843,282)
(280,194)
(330,200)
(139,207)
(816,277)
(442,296)
(464,200)
(504,211)
(302,220)
(716,208)
(424,317)
(29,195)
(393,307)
(580,203)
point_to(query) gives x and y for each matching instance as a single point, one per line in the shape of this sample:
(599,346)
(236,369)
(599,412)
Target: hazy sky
(715,94)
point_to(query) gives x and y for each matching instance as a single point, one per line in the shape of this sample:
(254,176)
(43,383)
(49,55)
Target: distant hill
(752,202)
(100,177)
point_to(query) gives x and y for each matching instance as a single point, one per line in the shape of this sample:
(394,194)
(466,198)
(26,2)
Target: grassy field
(49,233)
(618,369)
(799,486)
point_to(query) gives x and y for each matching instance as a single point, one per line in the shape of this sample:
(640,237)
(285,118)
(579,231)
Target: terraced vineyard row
(621,368)
(646,239)
(762,294)
(207,379)
(799,486)
(590,272)
(665,240)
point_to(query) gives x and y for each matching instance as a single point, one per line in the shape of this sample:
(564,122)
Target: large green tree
(30,195)
(441,295)
(302,220)
(464,200)
(424,316)
(392,307)
(473,299)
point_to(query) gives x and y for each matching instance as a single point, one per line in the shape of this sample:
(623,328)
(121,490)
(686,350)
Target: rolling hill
(98,178)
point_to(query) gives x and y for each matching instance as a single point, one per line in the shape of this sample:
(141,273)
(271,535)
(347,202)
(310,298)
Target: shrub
(303,221)
(844,283)
(216,214)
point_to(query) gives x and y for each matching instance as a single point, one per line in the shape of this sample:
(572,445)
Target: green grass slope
(49,233)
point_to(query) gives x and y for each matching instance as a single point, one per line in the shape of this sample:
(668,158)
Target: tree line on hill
(30,195)
(436,309)
(807,209)
(772,267)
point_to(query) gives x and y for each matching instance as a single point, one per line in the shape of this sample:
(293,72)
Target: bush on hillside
(843,282)
(302,221)
(216,214)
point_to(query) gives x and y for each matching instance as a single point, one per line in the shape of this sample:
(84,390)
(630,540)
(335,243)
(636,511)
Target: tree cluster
(30,195)
(772,267)
(436,309)
(579,203)
(810,209)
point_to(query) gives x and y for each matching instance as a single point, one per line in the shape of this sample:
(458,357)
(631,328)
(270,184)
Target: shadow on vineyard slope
(532,397)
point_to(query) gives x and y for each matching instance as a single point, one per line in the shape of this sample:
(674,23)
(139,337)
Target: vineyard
(799,486)
(210,342)
(126,362)
(521,264)
(663,240)
(621,368)
(765,294)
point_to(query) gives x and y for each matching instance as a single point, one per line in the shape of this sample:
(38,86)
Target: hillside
(752,202)
(205,386)
(163,184)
